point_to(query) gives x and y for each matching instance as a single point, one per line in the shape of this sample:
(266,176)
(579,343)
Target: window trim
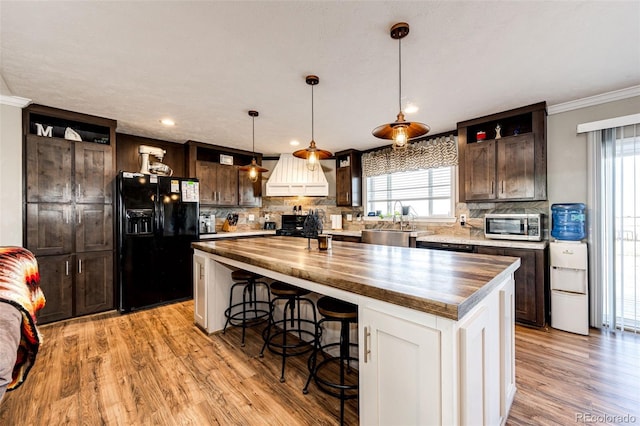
(419,219)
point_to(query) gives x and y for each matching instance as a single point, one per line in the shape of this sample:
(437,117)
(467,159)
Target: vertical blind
(615,227)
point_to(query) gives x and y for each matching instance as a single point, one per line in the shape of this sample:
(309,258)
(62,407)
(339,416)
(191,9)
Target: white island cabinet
(426,356)
(414,366)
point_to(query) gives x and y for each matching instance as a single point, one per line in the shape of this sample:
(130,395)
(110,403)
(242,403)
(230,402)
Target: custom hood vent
(291,177)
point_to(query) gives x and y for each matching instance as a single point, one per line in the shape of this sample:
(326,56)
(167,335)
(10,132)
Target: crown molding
(15,101)
(616,95)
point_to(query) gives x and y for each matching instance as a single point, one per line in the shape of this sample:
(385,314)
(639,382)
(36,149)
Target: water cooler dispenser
(569,287)
(569,269)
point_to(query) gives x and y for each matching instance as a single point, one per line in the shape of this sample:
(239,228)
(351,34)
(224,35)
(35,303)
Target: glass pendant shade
(312,161)
(254,169)
(400,131)
(312,154)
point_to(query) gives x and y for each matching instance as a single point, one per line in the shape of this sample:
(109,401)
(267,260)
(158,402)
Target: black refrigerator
(157,222)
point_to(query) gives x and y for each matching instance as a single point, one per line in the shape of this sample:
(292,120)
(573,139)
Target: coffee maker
(207,223)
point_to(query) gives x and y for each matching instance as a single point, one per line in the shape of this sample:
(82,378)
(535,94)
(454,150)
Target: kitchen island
(435,329)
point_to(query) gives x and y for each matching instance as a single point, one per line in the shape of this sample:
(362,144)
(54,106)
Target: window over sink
(429,193)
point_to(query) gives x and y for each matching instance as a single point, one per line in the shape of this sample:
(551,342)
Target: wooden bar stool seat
(292,335)
(251,310)
(333,374)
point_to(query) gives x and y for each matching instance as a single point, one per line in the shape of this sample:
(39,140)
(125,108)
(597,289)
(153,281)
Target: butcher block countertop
(447,284)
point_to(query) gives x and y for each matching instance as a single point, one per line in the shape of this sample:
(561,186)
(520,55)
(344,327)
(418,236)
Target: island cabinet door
(200,291)
(400,378)
(507,348)
(479,368)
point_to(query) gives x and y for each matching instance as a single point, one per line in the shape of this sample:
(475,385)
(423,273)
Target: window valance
(428,154)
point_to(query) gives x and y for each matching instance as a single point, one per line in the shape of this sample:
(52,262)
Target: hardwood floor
(156,367)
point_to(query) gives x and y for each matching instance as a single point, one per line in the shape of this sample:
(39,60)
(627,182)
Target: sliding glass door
(615,222)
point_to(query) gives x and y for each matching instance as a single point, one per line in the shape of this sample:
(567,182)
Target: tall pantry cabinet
(69,170)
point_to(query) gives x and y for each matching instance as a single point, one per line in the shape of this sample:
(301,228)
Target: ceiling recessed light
(294,143)
(168,122)
(411,108)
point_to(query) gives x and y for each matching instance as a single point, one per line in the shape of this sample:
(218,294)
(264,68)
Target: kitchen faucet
(394,213)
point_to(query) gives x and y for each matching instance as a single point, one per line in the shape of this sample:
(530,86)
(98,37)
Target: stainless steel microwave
(523,227)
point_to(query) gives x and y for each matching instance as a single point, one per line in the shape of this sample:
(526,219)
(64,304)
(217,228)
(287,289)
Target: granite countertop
(439,238)
(443,283)
(223,235)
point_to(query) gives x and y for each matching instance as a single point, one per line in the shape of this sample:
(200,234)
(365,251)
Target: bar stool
(251,311)
(280,341)
(347,385)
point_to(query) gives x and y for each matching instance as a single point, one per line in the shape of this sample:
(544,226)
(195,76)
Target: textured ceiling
(205,64)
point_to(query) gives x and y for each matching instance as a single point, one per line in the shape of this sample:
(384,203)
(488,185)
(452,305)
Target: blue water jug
(568,221)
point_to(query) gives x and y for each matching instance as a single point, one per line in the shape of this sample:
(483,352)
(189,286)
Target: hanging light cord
(253,145)
(312,137)
(400,74)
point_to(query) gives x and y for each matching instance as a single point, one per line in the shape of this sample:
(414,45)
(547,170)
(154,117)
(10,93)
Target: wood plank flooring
(155,367)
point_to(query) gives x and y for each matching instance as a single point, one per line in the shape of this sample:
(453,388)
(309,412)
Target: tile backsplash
(275,207)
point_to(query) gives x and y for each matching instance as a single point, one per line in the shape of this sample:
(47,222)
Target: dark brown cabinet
(516,167)
(218,183)
(49,228)
(249,193)
(347,238)
(223,184)
(93,275)
(90,273)
(93,173)
(480,163)
(48,170)
(348,179)
(56,281)
(69,209)
(94,227)
(531,292)
(511,165)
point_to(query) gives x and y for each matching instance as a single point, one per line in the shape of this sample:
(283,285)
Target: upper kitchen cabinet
(221,183)
(249,193)
(348,178)
(218,183)
(68,156)
(503,157)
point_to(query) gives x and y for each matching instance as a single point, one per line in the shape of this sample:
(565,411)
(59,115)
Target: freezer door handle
(161,216)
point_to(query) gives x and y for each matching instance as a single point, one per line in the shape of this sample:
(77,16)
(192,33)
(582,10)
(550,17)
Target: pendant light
(312,154)
(400,131)
(253,168)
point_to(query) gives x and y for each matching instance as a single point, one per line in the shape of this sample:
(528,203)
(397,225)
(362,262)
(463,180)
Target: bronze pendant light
(253,168)
(312,154)
(400,131)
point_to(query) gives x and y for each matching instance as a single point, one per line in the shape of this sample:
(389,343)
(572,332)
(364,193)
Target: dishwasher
(465,248)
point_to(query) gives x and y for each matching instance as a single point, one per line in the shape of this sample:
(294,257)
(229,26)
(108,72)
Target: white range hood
(291,177)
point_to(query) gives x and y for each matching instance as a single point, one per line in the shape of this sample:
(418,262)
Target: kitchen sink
(386,237)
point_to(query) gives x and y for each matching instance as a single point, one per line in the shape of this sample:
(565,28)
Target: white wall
(567,150)
(10,175)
